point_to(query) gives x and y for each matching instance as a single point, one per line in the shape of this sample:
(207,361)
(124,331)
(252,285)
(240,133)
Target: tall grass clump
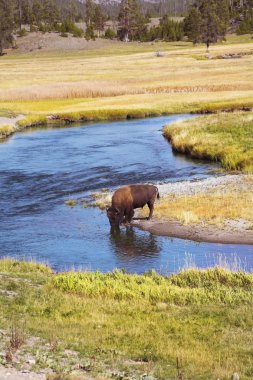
(12,266)
(226,138)
(32,121)
(190,287)
(6,130)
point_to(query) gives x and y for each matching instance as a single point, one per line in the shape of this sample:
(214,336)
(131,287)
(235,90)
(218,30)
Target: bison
(126,199)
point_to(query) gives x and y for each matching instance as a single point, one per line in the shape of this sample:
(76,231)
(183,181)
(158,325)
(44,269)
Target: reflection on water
(127,243)
(40,169)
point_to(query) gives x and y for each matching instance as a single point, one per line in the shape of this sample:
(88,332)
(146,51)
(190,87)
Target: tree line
(206,20)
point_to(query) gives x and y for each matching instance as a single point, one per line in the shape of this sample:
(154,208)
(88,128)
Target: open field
(116,80)
(125,326)
(226,138)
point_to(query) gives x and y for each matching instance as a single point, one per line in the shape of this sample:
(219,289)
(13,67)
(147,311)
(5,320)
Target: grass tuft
(6,130)
(13,266)
(32,121)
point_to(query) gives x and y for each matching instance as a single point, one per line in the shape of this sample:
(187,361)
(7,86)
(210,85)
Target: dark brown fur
(128,198)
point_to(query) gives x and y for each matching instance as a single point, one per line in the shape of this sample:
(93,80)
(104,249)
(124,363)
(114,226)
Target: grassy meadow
(126,80)
(225,138)
(126,326)
(130,326)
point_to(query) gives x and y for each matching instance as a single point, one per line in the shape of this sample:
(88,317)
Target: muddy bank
(209,234)
(234,231)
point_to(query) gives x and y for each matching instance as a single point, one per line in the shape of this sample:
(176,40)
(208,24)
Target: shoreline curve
(197,233)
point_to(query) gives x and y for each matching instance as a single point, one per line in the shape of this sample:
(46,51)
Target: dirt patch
(10,120)
(38,41)
(13,374)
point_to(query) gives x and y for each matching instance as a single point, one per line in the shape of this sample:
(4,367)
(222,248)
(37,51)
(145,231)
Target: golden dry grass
(213,207)
(123,69)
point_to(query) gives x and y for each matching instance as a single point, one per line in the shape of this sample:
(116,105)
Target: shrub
(22,32)
(110,34)
(89,33)
(68,26)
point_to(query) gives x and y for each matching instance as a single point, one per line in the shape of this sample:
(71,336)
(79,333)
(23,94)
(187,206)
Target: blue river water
(41,168)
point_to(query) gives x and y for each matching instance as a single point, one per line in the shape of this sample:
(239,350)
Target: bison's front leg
(129,215)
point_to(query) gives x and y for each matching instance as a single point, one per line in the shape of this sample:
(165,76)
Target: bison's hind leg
(151,209)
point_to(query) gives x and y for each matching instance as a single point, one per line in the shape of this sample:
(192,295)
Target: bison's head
(113,214)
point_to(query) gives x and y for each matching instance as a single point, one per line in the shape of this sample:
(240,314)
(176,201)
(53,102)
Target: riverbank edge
(201,232)
(231,233)
(33,121)
(197,233)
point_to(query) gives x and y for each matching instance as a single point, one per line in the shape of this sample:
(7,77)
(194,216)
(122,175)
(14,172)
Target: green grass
(32,121)
(192,287)
(226,138)
(115,320)
(6,130)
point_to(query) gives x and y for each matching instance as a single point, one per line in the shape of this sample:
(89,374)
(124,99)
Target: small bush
(68,26)
(89,33)
(110,34)
(43,28)
(17,338)
(22,32)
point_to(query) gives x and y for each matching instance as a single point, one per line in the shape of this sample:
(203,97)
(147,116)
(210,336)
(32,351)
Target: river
(41,168)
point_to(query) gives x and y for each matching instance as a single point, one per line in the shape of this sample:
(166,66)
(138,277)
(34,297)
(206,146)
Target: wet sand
(198,233)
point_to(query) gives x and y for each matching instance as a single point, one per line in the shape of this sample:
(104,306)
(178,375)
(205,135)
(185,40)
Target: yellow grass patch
(213,207)
(123,69)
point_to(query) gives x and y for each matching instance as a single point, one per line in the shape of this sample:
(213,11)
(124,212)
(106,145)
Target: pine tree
(51,12)
(192,25)
(37,12)
(131,21)
(20,5)
(98,19)
(207,21)
(7,22)
(89,12)
(214,15)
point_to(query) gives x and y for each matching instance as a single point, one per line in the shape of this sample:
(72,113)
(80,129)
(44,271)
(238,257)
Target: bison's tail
(158,195)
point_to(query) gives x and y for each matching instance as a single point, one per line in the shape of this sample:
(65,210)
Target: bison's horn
(117,210)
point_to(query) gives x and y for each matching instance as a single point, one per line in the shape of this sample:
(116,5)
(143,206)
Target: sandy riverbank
(198,233)
(10,120)
(235,230)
